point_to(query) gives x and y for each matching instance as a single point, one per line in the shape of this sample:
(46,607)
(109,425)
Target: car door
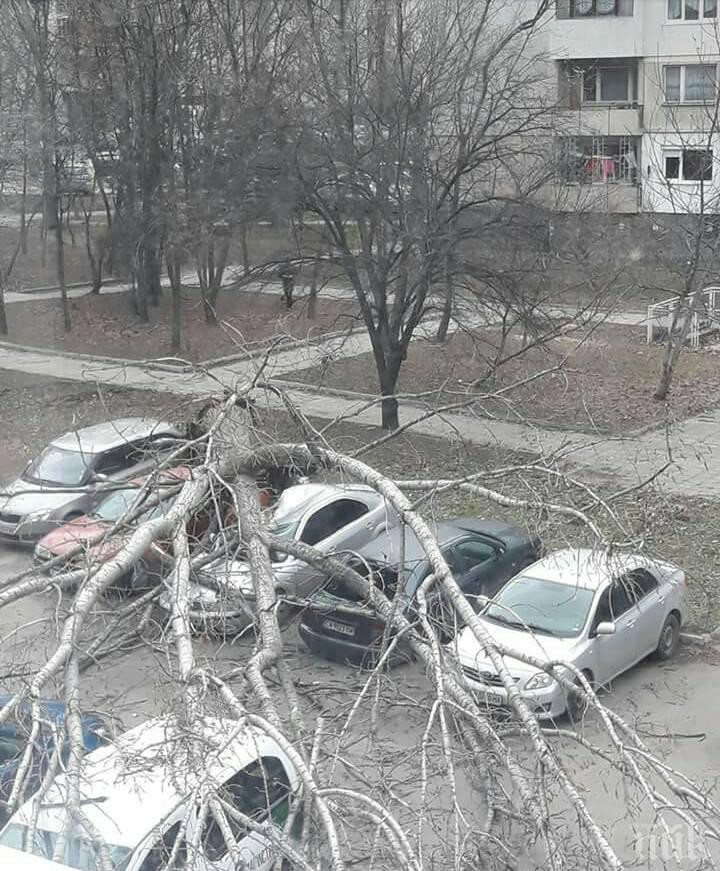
(483,567)
(644,587)
(260,791)
(339,525)
(613,654)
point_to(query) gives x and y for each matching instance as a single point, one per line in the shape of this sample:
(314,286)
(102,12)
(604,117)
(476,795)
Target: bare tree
(424,124)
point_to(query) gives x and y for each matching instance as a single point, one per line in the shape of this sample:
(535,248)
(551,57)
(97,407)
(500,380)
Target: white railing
(704,313)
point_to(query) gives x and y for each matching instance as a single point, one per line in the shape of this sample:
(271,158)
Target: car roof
(590,568)
(150,766)
(299,498)
(113,434)
(388,547)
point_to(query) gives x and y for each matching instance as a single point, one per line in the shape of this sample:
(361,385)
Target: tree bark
(3,314)
(60,266)
(174,269)
(447,311)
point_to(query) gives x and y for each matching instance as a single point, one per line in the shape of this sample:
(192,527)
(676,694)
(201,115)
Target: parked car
(71,475)
(328,516)
(84,537)
(15,732)
(138,793)
(482,555)
(15,861)
(601,614)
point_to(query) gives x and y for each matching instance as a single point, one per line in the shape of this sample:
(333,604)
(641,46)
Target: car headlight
(540,681)
(42,553)
(37,515)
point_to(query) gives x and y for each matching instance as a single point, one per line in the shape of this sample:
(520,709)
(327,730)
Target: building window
(593,8)
(691,10)
(688,164)
(606,85)
(694,83)
(597,82)
(599,159)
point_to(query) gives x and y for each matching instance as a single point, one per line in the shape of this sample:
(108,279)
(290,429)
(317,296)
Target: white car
(143,793)
(331,517)
(11,860)
(72,474)
(601,614)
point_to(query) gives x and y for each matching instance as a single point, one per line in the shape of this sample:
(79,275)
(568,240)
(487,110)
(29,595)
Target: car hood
(546,648)
(23,497)
(70,536)
(235,576)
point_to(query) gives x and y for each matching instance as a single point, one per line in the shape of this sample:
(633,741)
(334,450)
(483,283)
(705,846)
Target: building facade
(638,117)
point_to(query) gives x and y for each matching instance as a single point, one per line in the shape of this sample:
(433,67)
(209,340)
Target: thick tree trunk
(3,314)
(389,413)
(686,308)
(60,268)
(388,373)
(244,248)
(174,269)
(447,311)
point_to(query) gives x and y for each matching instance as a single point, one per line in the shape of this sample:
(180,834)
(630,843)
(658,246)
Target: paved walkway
(695,443)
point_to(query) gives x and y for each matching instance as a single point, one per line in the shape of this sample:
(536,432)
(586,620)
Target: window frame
(567,9)
(680,152)
(597,72)
(328,505)
(702,16)
(263,764)
(484,542)
(682,99)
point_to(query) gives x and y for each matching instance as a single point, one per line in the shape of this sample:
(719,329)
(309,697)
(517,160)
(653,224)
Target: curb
(29,291)
(98,358)
(288,345)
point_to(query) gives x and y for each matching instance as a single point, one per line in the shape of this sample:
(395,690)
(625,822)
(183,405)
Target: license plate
(342,628)
(491,698)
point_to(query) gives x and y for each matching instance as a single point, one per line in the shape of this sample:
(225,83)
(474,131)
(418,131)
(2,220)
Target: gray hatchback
(70,476)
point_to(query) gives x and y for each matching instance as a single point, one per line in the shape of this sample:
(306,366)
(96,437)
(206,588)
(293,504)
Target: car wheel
(576,702)
(669,640)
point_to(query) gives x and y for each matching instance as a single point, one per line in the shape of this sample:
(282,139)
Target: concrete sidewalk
(695,443)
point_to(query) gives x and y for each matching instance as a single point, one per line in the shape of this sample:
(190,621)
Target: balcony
(606,28)
(600,97)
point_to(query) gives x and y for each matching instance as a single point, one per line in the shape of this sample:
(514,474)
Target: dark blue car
(14,734)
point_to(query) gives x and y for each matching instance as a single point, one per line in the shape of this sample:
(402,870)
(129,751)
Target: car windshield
(58,466)
(543,606)
(115,505)
(78,853)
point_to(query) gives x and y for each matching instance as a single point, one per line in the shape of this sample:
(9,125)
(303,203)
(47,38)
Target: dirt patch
(107,325)
(603,384)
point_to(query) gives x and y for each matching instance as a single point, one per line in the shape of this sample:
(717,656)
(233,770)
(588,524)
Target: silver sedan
(73,473)
(600,614)
(330,517)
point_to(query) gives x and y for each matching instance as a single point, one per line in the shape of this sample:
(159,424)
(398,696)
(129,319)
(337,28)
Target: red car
(84,537)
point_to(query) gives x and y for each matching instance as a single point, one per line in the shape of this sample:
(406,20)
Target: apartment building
(638,123)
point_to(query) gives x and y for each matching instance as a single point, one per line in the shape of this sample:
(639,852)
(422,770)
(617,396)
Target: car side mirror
(605,629)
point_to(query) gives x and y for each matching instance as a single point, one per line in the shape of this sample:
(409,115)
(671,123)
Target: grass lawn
(603,383)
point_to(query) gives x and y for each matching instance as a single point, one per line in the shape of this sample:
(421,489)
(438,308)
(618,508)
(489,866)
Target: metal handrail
(666,309)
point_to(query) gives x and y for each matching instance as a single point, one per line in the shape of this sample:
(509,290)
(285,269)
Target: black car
(14,735)
(482,555)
